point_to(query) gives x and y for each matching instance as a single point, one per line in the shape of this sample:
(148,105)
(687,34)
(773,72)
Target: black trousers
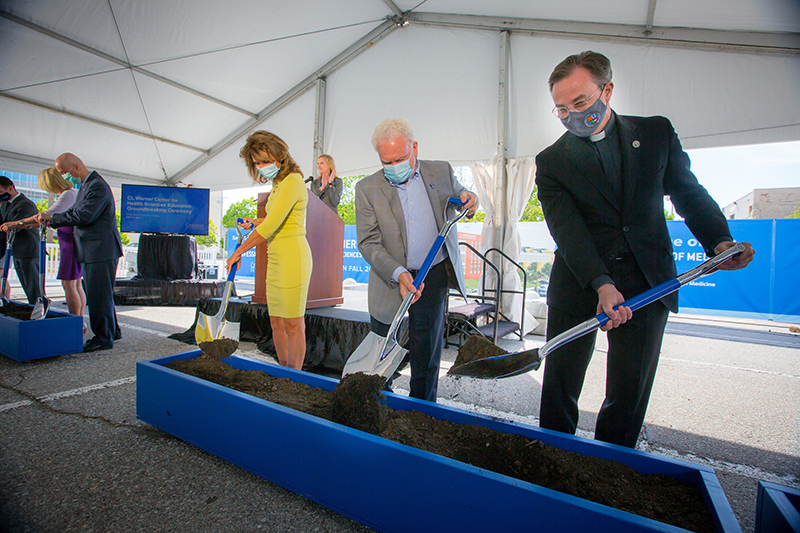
(632,359)
(426,334)
(100,278)
(28,273)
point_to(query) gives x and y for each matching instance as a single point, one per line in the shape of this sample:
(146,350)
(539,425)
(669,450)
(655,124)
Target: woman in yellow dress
(284,229)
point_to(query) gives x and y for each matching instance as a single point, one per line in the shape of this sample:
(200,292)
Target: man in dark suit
(399,211)
(15,206)
(602,187)
(97,246)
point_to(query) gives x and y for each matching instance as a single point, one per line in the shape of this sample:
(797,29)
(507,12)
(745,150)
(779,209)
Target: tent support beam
(319,123)
(501,183)
(353,51)
(118,61)
(651,15)
(104,124)
(44,163)
(738,41)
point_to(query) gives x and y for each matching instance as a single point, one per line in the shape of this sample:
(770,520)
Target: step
(504,327)
(471,311)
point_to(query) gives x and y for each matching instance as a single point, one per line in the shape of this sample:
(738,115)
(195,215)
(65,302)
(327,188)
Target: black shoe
(117,335)
(92,346)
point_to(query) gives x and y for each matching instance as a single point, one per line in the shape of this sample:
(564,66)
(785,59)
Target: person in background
(97,246)
(69,269)
(399,211)
(602,186)
(327,186)
(15,206)
(284,229)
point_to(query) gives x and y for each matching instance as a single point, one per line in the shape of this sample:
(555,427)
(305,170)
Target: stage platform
(332,333)
(183,292)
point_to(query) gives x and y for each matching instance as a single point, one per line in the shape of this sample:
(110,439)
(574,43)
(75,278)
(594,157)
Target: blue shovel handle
(245,225)
(437,245)
(647,297)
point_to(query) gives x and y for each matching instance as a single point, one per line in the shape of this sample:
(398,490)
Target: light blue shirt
(421,227)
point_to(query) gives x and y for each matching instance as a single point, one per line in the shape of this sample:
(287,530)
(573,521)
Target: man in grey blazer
(399,211)
(602,187)
(97,246)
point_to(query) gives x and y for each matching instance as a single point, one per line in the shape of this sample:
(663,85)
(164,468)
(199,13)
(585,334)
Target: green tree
(123,236)
(533,210)
(243,208)
(211,238)
(42,205)
(668,215)
(347,204)
(796,213)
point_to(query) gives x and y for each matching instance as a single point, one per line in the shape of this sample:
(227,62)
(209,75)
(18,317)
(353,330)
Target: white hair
(392,128)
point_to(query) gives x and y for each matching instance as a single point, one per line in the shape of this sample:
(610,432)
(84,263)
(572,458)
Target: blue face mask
(269,171)
(72,179)
(5,197)
(583,123)
(398,173)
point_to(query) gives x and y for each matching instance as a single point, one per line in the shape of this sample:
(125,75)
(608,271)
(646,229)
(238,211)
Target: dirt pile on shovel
(20,312)
(603,481)
(475,348)
(219,348)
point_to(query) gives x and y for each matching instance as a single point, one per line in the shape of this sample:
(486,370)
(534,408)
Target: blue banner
(248,267)
(766,289)
(354,266)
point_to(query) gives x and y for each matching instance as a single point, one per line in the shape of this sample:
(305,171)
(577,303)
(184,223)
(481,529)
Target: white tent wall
(444,82)
(67,61)
(294,123)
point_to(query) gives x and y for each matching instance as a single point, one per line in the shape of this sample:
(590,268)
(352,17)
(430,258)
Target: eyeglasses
(580,105)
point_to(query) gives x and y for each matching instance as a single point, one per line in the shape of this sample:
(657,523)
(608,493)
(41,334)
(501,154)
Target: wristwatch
(21,223)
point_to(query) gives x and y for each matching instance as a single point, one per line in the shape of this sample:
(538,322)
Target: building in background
(764,203)
(27,185)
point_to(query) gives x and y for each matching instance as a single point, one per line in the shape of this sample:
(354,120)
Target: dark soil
(219,348)
(20,312)
(479,348)
(355,403)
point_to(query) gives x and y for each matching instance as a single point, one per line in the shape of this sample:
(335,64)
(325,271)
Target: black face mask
(5,197)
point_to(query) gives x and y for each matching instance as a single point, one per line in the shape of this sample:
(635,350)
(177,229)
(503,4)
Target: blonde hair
(392,128)
(50,180)
(260,142)
(330,161)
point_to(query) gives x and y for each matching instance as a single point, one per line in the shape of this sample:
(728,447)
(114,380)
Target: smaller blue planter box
(383,484)
(777,509)
(24,340)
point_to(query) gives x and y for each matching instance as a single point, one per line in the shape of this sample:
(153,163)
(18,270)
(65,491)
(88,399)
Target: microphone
(309,179)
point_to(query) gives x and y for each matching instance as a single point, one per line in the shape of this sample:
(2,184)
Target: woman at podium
(284,229)
(327,186)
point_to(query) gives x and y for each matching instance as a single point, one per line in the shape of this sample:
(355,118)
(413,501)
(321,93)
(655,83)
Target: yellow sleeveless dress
(289,256)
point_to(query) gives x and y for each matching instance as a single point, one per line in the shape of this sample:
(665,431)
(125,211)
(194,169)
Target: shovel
(6,266)
(42,302)
(217,337)
(513,364)
(382,356)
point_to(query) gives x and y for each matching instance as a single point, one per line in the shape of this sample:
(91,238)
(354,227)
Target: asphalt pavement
(73,456)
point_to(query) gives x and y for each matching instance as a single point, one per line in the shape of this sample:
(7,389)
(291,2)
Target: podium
(325,235)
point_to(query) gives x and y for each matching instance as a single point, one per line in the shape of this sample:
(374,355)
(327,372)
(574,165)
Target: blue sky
(731,172)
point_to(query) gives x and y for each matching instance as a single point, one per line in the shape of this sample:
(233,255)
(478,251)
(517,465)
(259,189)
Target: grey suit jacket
(381,231)
(95,219)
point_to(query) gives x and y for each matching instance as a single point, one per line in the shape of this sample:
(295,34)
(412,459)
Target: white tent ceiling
(151,91)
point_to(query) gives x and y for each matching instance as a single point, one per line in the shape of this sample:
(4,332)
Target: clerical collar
(606,131)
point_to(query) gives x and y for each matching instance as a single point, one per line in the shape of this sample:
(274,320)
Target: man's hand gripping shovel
(382,355)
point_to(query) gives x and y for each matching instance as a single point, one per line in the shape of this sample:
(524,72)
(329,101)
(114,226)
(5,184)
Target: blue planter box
(382,484)
(777,509)
(24,340)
